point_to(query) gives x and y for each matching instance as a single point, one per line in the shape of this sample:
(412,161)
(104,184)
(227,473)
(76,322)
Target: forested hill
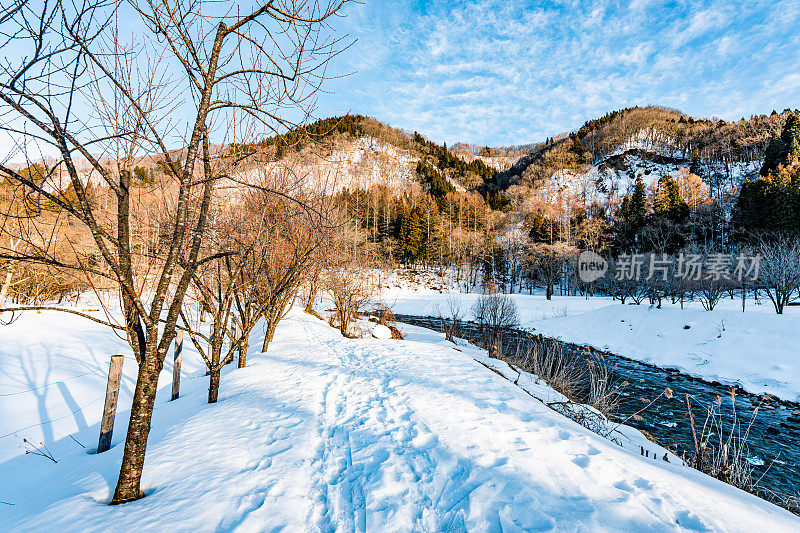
(719,151)
(436,165)
(610,151)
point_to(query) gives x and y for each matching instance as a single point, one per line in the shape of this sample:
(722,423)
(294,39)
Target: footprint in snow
(498,461)
(582,461)
(623,485)
(688,520)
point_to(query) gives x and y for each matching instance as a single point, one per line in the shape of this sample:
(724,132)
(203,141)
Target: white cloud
(495,72)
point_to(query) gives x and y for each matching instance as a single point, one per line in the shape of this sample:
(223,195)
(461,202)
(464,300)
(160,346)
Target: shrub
(495,312)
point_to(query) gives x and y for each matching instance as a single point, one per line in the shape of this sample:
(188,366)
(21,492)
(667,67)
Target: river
(774,439)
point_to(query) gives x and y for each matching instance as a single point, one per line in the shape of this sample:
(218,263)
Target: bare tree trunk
(271,325)
(213,383)
(144,396)
(312,295)
(243,347)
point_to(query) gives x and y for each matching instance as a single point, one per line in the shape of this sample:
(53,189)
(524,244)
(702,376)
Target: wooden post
(110,408)
(176,365)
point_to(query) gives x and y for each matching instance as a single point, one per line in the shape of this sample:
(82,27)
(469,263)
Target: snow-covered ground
(327,433)
(757,349)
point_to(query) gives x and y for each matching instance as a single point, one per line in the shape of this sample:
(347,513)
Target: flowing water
(774,435)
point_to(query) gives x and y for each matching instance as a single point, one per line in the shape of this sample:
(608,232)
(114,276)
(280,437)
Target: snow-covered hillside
(360,163)
(324,433)
(648,154)
(617,173)
(614,176)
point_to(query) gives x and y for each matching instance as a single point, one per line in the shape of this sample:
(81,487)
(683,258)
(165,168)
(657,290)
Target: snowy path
(332,434)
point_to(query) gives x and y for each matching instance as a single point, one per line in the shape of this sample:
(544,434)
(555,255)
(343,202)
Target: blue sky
(506,72)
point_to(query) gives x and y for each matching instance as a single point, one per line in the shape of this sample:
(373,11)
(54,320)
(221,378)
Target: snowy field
(326,433)
(758,349)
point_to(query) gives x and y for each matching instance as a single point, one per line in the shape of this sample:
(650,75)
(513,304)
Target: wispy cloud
(498,72)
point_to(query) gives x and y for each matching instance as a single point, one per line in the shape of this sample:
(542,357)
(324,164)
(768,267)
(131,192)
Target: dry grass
(721,450)
(584,379)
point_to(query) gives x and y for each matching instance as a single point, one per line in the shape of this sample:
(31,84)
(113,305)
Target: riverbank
(756,350)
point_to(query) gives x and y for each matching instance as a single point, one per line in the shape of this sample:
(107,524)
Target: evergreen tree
(631,218)
(773,156)
(791,130)
(695,167)
(771,204)
(143,176)
(537,233)
(577,148)
(433,240)
(793,155)
(668,202)
(779,148)
(638,204)
(543,230)
(440,187)
(411,236)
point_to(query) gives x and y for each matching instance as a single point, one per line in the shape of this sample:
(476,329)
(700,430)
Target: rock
(381,332)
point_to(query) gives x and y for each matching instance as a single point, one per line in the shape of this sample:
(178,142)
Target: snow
(651,155)
(619,181)
(328,433)
(381,332)
(756,349)
(54,367)
(357,164)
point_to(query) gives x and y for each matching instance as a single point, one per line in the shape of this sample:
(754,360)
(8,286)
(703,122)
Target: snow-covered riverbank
(324,433)
(757,349)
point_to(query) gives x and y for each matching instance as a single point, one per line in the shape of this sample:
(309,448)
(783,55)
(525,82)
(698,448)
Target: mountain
(612,150)
(601,158)
(354,151)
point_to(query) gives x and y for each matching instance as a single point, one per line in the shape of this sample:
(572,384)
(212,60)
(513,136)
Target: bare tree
(314,280)
(711,292)
(495,312)
(350,288)
(215,287)
(101,101)
(548,262)
(290,258)
(450,322)
(780,269)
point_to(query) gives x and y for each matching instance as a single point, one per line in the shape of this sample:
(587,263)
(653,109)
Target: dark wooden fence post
(176,366)
(110,408)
